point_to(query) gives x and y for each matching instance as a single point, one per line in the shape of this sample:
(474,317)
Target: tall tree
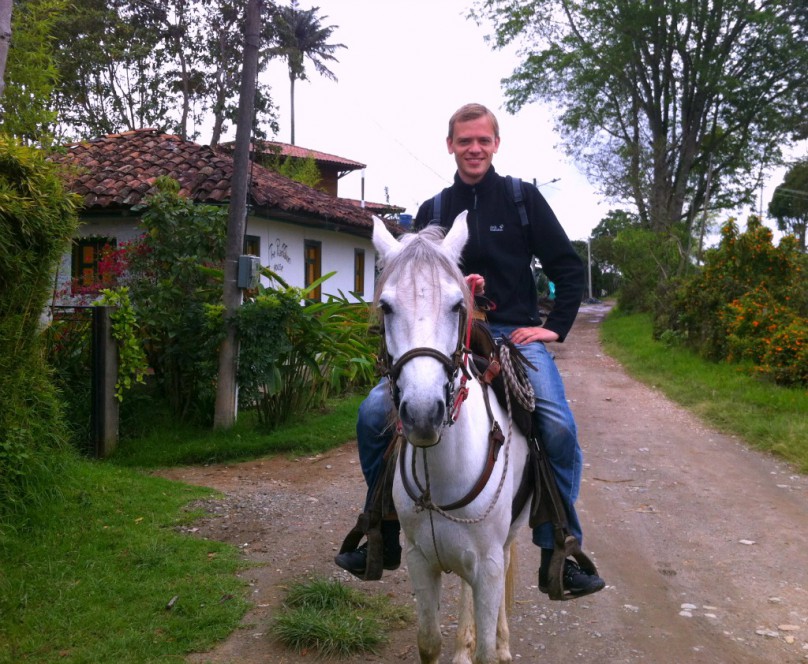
(301,36)
(789,204)
(112,68)
(226,386)
(26,107)
(664,103)
(5,39)
(223,51)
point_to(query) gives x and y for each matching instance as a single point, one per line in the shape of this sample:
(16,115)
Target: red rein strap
(463,392)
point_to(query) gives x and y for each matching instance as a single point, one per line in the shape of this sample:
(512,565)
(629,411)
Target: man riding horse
(508,226)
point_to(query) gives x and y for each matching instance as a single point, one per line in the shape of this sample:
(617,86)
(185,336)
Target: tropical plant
(37,218)
(301,36)
(292,356)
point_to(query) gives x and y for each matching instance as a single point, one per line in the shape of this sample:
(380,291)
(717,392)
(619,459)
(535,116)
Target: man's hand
(476,283)
(525,335)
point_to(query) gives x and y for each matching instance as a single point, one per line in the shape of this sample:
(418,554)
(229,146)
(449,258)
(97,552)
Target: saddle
(537,485)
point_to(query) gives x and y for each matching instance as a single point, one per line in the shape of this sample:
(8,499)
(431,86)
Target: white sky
(407,67)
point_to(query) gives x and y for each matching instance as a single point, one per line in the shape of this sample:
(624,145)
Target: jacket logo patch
(496,228)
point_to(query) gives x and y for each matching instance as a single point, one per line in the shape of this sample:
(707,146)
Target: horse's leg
(466,632)
(489,597)
(503,631)
(426,585)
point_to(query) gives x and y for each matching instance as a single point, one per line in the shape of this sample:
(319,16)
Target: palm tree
(300,35)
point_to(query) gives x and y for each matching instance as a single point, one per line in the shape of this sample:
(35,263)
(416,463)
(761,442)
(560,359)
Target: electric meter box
(249,271)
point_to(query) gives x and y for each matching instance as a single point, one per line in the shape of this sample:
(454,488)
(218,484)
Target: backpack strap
(436,208)
(518,198)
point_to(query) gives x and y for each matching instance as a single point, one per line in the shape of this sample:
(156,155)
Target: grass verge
(335,621)
(100,575)
(176,444)
(769,417)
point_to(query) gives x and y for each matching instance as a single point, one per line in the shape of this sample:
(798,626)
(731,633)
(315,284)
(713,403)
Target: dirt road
(703,542)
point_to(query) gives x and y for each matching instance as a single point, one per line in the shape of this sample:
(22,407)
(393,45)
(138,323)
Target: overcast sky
(407,67)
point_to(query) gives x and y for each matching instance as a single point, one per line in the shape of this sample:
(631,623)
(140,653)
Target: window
(359,272)
(252,245)
(87,254)
(313,266)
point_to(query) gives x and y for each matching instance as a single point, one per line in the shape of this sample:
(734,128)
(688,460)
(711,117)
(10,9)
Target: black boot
(577,582)
(356,561)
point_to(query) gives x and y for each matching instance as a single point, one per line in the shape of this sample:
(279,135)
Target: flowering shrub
(786,356)
(749,302)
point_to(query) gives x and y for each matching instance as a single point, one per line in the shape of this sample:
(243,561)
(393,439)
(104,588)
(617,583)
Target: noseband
(452,365)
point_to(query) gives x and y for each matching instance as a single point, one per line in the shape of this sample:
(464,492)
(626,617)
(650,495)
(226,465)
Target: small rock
(747,542)
(772,634)
(688,607)
(686,614)
(788,628)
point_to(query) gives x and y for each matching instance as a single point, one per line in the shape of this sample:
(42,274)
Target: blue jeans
(556,423)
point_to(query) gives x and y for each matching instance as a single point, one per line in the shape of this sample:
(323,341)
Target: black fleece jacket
(501,250)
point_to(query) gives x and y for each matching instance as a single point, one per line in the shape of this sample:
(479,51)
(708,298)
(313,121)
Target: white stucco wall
(281,248)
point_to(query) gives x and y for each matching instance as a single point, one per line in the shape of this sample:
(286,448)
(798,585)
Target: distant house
(299,232)
(331,167)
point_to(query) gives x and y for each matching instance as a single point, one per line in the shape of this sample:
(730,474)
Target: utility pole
(226,387)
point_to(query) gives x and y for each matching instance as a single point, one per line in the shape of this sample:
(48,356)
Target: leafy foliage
(749,302)
(37,217)
(132,363)
(170,65)
(789,204)
(26,105)
(174,297)
(293,357)
(671,105)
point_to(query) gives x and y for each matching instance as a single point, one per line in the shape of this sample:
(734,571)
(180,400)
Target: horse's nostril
(440,410)
(403,413)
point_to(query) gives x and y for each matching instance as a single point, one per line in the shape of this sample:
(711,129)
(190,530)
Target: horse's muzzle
(423,423)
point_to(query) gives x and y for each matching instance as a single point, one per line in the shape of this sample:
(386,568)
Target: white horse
(424,301)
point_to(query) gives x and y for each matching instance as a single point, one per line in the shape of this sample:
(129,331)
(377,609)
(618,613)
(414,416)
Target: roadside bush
(37,218)
(646,260)
(749,302)
(173,273)
(292,356)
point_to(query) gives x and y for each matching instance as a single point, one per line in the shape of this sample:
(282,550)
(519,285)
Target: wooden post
(104,377)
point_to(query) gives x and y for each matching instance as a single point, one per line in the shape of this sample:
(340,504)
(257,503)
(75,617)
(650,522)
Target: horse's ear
(383,239)
(457,236)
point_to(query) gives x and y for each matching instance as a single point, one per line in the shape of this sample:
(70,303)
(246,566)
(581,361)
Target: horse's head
(423,299)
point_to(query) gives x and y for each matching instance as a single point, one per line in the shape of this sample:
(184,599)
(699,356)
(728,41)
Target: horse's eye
(385,308)
(459,307)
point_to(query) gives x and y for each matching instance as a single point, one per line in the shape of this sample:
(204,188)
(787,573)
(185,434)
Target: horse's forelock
(422,250)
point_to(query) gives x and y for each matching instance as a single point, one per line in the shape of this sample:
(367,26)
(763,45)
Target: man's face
(473,144)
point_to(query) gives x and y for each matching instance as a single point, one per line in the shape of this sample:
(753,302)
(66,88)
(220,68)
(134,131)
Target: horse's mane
(421,254)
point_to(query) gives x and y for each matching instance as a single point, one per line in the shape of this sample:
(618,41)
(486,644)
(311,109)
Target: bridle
(453,364)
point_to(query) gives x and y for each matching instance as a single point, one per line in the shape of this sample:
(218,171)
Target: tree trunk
(5,39)
(292,104)
(226,388)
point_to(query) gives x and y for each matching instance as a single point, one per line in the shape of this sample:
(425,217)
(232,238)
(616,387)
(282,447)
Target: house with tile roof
(299,232)
(332,169)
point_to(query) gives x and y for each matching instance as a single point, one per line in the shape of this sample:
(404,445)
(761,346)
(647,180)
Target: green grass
(89,577)
(175,444)
(335,620)
(769,417)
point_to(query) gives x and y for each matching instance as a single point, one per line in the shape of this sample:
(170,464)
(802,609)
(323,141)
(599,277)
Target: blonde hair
(472,112)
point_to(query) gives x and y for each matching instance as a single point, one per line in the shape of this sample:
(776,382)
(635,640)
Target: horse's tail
(510,577)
